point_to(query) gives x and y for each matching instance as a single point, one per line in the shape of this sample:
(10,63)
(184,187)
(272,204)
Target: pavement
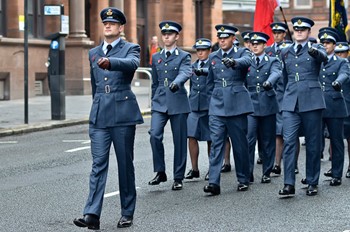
(77,109)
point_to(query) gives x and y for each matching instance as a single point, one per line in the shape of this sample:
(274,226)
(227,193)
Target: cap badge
(255,36)
(222,28)
(276,26)
(109,12)
(340,46)
(166,26)
(200,42)
(325,35)
(299,22)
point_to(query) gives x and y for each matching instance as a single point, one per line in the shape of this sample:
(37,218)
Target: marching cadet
(333,75)
(198,119)
(279,34)
(113,118)
(246,39)
(302,105)
(342,50)
(228,108)
(171,68)
(263,74)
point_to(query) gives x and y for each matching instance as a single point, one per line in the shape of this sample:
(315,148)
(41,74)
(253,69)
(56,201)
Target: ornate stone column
(117,3)
(77,19)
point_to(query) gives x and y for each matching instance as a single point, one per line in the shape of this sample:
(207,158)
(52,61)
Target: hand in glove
(198,71)
(173,87)
(104,63)
(313,52)
(336,86)
(229,62)
(267,85)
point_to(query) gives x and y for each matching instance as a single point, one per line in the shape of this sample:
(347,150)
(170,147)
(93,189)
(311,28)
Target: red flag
(263,17)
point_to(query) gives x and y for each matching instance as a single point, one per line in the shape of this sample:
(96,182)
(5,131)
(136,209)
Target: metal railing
(148,71)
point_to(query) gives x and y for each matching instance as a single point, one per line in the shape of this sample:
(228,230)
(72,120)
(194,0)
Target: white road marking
(8,142)
(114,193)
(78,149)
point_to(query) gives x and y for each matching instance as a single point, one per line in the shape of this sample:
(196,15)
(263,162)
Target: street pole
(25,61)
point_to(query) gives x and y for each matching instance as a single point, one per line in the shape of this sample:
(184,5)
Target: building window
(302,4)
(2,21)
(35,19)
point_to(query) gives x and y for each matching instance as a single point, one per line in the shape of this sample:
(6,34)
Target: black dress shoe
(242,187)
(265,179)
(206,176)
(90,221)
(192,174)
(226,168)
(277,170)
(259,161)
(303,181)
(124,221)
(347,175)
(335,182)
(160,177)
(328,173)
(312,190)
(177,185)
(288,190)
(212,188)
(296,170)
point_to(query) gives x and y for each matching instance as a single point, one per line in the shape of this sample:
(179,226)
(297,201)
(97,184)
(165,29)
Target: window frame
(296,6)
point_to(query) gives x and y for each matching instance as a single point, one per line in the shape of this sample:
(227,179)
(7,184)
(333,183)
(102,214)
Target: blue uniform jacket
(199,97)
(300,76)
(176,68)
(229,96)
(336,69)
(264,102)
(114,104)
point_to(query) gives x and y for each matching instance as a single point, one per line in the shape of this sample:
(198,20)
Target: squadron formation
(239,96)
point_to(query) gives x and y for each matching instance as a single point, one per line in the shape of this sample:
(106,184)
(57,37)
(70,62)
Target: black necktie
(224,55)
(109,47)
(168,54)
(257,61)
(201,64)
(299,47)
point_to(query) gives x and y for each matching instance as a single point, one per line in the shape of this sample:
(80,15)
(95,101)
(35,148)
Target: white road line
(8,142)
(78,149)
(114,193)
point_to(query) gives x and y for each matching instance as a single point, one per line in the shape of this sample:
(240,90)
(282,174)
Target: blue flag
(338,18)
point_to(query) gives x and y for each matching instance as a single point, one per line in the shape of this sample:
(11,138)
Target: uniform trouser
(336,130)
(259,128)
(122,138)
(312,127)
(236,128)
(179,130)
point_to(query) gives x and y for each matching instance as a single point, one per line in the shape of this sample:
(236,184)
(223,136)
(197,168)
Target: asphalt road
(44,185)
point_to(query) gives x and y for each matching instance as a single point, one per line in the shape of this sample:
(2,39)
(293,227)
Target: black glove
(267,85)
(173,87)
(198,71)
(313,52)
(229,62)
(104,63)
(336,86)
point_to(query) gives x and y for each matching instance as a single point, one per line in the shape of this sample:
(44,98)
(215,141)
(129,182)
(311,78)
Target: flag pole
(285,21)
